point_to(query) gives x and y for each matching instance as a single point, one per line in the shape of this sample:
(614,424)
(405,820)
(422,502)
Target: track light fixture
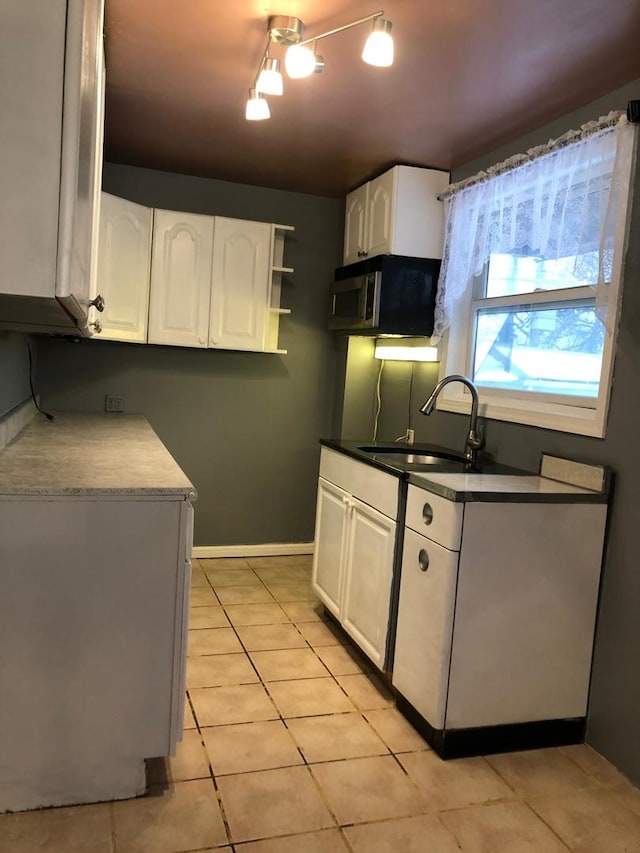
(302,60)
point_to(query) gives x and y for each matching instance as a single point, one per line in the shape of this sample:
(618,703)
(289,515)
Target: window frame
(564,414)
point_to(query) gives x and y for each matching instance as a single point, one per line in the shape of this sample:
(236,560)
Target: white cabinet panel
(425,625)
(355,224)
(124,266)
(88,626)
(382,198)
(240,284)
(180,278)
(525,612)
(368,569)
(331,530)
(354,549)
(50,156)
(435,517)
(377,488)
(82,132)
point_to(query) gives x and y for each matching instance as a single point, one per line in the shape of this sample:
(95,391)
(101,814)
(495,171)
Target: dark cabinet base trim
(461,743)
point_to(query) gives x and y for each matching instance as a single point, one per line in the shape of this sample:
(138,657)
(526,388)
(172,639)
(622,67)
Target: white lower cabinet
(423,637)
(181,257)
(495,631)
(93,621)
(368,570)
(354,549)
(332,517)
(124,268)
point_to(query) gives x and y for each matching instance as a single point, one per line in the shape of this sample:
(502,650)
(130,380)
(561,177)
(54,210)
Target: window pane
(548,350)
(510,274)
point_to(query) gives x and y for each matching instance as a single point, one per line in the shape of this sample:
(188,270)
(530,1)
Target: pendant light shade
(378,49)
(269,80)
(299,61)
(257,107)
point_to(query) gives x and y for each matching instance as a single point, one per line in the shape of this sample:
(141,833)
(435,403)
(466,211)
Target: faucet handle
(476,438)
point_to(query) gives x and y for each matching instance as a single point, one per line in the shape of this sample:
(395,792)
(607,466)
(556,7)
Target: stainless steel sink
(417,459)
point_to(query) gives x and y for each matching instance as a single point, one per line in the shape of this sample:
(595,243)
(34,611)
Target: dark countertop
(457,480)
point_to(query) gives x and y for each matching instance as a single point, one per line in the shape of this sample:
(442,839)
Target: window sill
(590,422)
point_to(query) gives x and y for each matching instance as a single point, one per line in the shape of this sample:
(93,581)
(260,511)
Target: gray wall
(615,693)
(243,426)
(14,370)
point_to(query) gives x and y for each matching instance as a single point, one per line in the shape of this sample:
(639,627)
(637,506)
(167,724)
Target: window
(530,284)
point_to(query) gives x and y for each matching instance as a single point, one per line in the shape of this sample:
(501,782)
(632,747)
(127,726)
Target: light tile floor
(293,745)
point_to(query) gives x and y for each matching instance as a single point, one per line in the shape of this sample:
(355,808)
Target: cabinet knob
(423,560)
(97,326)
(362,254)
(345,499)
(427,513)
(202,341)
(97,303)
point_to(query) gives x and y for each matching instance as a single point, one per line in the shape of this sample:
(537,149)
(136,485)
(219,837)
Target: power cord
(378,402)
(408,434)
(47,415)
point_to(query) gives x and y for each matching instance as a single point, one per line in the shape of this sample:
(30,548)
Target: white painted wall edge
(277,549)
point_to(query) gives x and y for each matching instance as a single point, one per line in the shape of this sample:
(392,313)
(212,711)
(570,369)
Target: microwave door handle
(364,299)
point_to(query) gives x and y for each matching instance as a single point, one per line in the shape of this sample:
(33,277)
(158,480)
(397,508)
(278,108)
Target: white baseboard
(277,549)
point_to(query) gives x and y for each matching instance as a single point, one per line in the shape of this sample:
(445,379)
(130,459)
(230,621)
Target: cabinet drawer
(363,481)
(435,517)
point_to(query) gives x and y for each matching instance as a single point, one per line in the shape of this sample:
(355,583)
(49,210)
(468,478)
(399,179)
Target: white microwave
(388,294)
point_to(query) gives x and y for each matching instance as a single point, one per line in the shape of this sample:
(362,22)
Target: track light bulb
(257,107)
(299,61)
(378,49)
(269,80)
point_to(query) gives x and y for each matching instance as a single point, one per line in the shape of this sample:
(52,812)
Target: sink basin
(415,457)
(418,459)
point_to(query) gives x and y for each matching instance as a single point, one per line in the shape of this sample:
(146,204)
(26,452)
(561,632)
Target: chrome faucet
(475,441)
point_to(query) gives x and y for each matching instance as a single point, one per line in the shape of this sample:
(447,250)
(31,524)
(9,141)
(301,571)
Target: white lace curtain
(564,199)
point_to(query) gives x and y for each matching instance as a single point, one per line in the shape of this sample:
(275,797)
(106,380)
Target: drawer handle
(427,513)
(423,560)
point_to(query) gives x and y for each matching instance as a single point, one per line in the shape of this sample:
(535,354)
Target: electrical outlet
(410,435)
(113,403)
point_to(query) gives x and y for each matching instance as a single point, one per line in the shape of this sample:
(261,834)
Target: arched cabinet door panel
(240,284)
(180,278)
(124,267)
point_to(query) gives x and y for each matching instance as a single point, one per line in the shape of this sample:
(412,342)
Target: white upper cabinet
(240,284)
(397,213)
(50,88)
(124,266)
(190,280)
(180,279)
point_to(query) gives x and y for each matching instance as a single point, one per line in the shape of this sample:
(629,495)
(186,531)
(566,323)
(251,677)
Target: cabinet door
(180,278)
(240,284)
(425,625)
(124,265)
(367,579)
(330,539)
(81,147)
(355,225)
(381,214)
